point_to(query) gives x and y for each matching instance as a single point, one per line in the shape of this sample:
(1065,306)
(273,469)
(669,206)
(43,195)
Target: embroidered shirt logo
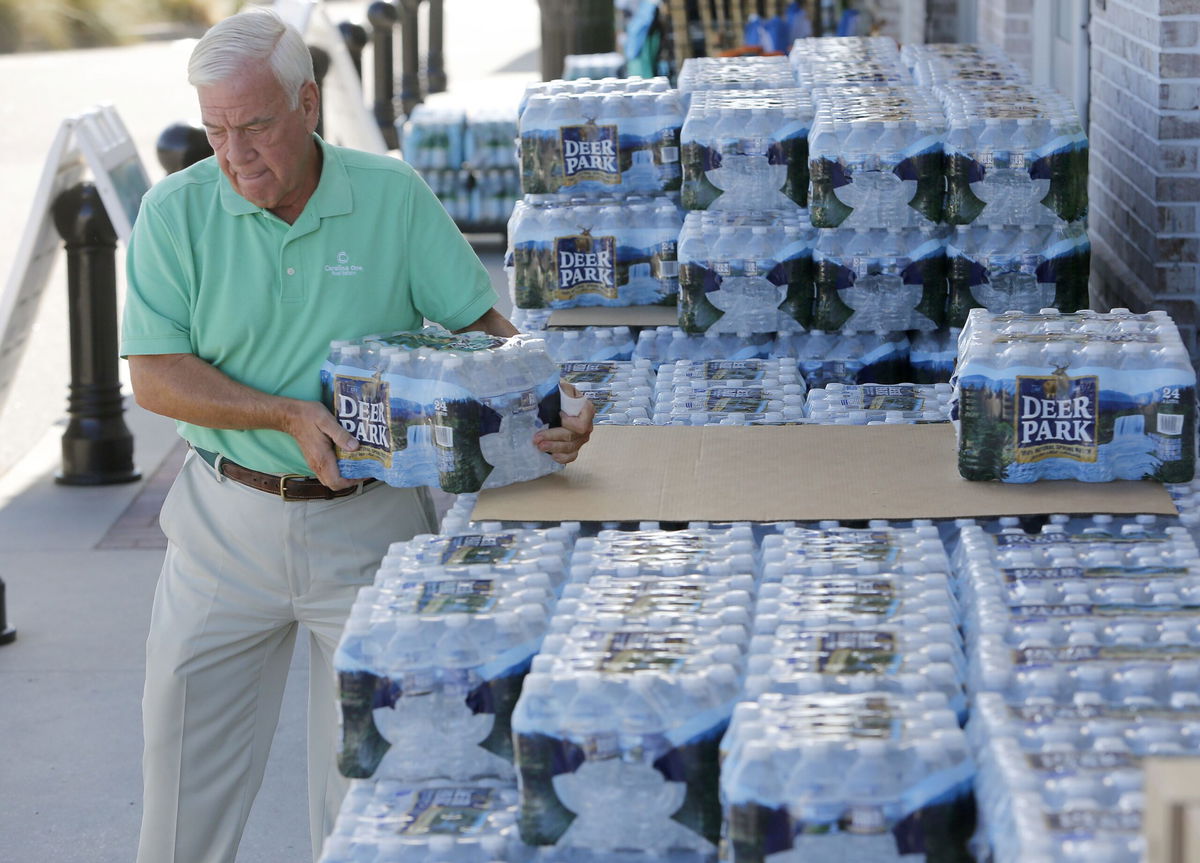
(343,267)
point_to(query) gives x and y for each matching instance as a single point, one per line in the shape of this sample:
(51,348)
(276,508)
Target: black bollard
(97,447)
(410,55)
(382,17)
(435,67)
(182,144)
(320,61)
(7,633)
(355,37)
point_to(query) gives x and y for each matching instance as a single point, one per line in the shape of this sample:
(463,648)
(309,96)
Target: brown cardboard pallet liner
(790,473)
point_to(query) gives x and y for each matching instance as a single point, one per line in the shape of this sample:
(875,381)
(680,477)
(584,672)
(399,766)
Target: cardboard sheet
(785,473)
(617,316)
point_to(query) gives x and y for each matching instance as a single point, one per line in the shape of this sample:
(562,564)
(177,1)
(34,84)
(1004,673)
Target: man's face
(264,147)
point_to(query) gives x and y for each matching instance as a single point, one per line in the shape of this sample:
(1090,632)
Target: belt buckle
(283,483)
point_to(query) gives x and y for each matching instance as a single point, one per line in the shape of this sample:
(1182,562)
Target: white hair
(254,35)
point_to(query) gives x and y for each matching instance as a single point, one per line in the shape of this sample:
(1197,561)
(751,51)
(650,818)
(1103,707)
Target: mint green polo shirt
(213,275)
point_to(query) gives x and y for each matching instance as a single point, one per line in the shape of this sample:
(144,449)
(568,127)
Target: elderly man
(232,303)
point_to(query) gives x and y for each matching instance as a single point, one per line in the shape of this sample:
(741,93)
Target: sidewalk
(80,564)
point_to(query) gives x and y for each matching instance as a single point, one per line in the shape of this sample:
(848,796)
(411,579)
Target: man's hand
(563,443)
(318,433)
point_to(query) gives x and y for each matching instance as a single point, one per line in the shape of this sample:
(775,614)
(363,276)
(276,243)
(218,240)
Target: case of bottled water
(432,656)
(860,404)
(617,727)
(934,63)
(669,345)
(1086,396)
(569,252)
(865,61)
(651,551)
(875,157)
(433,138)
(729,392)
(848,777)
(751,72)
(453,411)
(620,392)
(1064,783)
(439,822)
(610,64)
(824,550)
(746,149)
(932,354)
(1022,269)
(1015,154)
(745,272)
(848,357)
(605,137)
(879,279)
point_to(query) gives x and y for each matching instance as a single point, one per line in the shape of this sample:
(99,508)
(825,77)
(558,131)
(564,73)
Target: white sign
(95,140)
(346,118)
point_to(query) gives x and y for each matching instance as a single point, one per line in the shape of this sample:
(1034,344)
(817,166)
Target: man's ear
(310,101)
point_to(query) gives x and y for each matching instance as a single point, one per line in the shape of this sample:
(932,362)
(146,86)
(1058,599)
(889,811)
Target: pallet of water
(605,137)
(457,411)
(745,272)
(729,392)
(1086,396)
(435,822)
(875,157)
(1015,154)
(617,727)
(849,777)
(620,392)
(571,252)
(746,149)
(751,72)
(434,652)
(879,279)
(864,404)
(1017,268)
(1065,782)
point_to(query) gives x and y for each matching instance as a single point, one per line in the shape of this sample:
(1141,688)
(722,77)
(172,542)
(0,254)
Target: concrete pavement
(80,564)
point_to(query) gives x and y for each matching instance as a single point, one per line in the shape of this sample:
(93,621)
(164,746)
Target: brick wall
(1144,176)
(1008,24)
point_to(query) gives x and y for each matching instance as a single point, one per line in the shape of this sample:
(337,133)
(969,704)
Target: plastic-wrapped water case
(857,598)
(1086,396)
(582,139)
(932,355)
(1021,269)
(934,63)
(876,158)
(431,662)
(434,138)
(620,392)
(863,61)
(729,392)
(1015,155)
(859,404)
(569,253)
(712,550)
(452,411)
(821,551)
(437,822)
(746,149)
(848,357)
(853,777)
(610,64)
(1065,782)
(734,73)
(618,723)
(877,279)
(588,344)
(745,272)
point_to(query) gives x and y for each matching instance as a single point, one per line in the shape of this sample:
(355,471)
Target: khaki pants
(242,570)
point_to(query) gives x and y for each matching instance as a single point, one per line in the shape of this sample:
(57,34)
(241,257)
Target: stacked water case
(1086,396)
(617,727)
(621,392)
(452,411)
(1082,651)
(600,174)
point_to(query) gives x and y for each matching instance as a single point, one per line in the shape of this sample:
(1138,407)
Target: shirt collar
(332,197)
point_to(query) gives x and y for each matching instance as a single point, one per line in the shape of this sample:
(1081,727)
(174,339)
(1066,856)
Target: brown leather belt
(289,486)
